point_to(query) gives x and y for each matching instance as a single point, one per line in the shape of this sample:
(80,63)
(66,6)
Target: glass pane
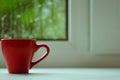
(34,19)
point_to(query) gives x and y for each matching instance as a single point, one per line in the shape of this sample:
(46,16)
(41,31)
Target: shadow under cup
(18,54)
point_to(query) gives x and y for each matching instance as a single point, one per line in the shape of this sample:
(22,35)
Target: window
(38,19)
(86,47)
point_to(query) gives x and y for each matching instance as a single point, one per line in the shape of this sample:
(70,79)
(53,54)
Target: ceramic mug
(18,54)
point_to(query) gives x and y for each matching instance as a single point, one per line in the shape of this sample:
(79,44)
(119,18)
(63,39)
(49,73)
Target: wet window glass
(34,19)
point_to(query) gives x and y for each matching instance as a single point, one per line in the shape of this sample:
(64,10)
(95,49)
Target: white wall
(77,51)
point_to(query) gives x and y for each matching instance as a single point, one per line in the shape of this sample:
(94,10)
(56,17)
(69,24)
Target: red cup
(18,54)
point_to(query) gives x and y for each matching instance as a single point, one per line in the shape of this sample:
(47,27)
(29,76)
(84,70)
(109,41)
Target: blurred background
(80,33)
(38,19)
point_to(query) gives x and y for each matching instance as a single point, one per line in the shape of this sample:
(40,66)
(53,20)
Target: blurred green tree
(38,19)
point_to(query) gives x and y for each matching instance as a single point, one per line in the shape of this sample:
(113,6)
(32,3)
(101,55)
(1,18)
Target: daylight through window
(34,19)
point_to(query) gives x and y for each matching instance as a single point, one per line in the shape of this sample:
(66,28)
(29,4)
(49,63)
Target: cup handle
(43,57)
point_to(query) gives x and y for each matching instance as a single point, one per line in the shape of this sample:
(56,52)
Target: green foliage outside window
(33,19)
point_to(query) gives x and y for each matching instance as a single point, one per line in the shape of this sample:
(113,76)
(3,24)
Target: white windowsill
(64,74)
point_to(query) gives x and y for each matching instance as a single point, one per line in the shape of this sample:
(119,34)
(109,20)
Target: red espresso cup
(18,54)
